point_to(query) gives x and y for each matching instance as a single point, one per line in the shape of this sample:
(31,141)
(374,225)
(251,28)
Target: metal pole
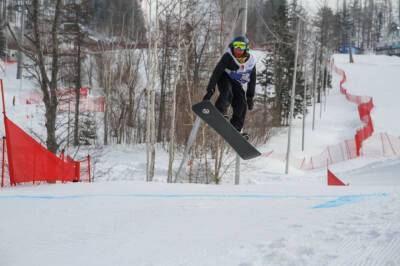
(304,107)
(244,20)
(293,96)
(323,85)
(314,84)
(321,100)
(237,170)
(5,21)
(326,84)
(2,98)
(189,144)
(244,30)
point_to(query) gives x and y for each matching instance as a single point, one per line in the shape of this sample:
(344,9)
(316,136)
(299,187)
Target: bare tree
(152,67)
(44,51)
(173,103)
(75,16)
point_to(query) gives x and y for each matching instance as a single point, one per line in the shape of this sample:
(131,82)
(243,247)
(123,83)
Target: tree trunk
(48,86)
(152,76)
(105,122)
(173,111)
(351,59)
(51,117)
(51,137)
(78,85)
(163,81)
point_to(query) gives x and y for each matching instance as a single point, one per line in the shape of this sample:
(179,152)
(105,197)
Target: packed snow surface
(270,219)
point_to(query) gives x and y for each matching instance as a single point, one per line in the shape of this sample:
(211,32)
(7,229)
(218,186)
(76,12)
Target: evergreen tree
(284,60)
(299,98)
(284,25)
(283,57)
(266,77)
(88,129)
(325,26)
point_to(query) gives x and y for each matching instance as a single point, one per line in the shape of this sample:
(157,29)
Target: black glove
(250,104)
(208,96)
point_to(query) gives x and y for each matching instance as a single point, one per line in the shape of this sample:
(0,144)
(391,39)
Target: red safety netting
(87,104)
(29,161)
(331,155)
(86,174)
(381,145)
(66,100)
(365,105)
(384,145)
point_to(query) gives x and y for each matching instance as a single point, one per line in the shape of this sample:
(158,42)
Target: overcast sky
(312,5)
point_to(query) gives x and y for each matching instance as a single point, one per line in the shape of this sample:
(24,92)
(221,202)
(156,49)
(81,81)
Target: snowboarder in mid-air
(236,68)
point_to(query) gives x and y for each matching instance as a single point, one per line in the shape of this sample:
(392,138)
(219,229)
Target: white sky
(122,220)
(312,5)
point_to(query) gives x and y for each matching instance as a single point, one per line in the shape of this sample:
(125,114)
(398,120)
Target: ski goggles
(240,45)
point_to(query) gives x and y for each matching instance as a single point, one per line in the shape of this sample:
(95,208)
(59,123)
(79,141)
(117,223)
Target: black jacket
(227,62)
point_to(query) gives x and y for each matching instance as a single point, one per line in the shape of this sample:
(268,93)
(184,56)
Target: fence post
(329,153)
(348,150)
(88,158)
(62,165)
(391,145)
(383,144)
(302,163)
(341,150)
(3,162)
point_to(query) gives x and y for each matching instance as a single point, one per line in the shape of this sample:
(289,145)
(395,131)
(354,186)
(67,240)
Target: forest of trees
(151,63)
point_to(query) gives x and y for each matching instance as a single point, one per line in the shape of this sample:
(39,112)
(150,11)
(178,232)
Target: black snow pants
(231,93)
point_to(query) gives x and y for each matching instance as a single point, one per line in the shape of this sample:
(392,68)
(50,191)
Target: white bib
(244,71)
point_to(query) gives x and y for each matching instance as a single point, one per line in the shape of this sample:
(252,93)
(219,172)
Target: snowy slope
(126,223)
(271,219)
(377,77)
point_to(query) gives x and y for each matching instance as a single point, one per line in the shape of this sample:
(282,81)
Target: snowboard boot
(224,112)
(245,135)
(225,115)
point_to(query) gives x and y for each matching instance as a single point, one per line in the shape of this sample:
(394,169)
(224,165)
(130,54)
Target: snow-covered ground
(271,219)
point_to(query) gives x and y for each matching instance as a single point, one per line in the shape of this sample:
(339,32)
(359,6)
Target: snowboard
(210,115)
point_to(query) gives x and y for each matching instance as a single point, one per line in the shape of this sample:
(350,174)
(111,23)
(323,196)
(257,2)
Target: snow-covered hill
(271,219)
